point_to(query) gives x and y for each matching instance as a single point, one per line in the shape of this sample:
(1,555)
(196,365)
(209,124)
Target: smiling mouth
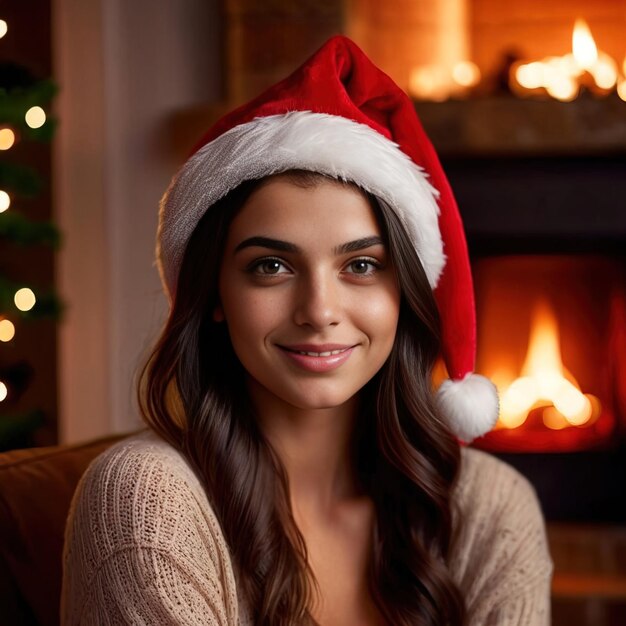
(318,359)
(317,351)
(318,354)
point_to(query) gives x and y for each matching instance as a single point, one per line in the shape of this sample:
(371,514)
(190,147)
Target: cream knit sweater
(144,547)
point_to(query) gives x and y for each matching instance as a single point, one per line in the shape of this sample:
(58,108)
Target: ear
(218,314)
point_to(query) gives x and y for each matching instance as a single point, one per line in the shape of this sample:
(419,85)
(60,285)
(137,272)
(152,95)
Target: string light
(35,117)
(24,299)
(7,138)
(4,27)
(7,330)
(5,201)
(4,392)
(466,74)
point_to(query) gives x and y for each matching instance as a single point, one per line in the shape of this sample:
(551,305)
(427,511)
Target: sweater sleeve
(143,546)
(147,586)
(500,558)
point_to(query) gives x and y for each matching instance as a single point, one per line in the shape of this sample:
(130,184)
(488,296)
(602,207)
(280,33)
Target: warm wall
(265,41)
(123,68)
(402,34)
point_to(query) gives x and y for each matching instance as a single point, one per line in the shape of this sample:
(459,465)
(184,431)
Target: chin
(318,399)
(319,405)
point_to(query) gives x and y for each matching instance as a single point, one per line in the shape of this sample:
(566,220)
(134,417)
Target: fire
(562,76)
(583,45)
(545,382)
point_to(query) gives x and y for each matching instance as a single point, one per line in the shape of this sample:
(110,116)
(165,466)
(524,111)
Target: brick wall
(264,41)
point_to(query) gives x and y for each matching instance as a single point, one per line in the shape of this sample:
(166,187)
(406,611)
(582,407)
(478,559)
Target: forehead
(326,209)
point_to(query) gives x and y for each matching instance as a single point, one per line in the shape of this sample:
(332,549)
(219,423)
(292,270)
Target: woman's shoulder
(141,528)
(500,547)
(493,498)
(142,468)
(483,476)
(140,460)
(142,491)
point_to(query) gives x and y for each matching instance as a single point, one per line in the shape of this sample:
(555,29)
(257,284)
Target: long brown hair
(192,392)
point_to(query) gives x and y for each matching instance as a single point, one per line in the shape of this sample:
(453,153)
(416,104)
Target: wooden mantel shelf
(511,126)
(504,126)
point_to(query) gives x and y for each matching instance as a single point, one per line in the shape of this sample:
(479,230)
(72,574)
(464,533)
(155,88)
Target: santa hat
(338,114)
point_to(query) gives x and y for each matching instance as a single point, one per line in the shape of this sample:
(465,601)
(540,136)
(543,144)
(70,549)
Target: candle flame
(583,45)
(544,381)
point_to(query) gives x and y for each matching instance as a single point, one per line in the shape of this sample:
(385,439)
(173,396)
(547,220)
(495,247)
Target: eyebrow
(359,244)
(285,246)
(267,242)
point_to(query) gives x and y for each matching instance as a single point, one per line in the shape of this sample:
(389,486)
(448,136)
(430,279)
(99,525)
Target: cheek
(250,316)
(379,315)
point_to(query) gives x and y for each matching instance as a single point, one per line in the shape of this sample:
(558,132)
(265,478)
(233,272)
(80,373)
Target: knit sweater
(143,545)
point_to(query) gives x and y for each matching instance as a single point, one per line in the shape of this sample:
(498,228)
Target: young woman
(299,468)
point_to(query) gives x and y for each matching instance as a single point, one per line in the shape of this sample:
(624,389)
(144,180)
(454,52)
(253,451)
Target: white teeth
(331,353)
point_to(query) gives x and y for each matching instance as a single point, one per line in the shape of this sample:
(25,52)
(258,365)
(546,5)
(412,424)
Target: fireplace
(547,240)
(551,339)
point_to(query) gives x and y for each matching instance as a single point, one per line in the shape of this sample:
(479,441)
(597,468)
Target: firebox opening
(549,337)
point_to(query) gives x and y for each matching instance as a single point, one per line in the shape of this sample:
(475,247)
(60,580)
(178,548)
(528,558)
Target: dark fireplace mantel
(515,127)
(535,176)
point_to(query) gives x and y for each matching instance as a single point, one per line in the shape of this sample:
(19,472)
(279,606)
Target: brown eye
(363,267)
(268,267)
(360,267)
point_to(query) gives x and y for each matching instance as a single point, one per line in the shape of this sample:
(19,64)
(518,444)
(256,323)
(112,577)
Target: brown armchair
(36,488)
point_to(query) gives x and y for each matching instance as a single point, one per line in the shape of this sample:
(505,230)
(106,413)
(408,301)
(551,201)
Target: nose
(318,302)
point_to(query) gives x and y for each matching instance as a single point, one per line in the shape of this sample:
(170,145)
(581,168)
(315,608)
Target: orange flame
(545,382)
(562,76)
(583,45)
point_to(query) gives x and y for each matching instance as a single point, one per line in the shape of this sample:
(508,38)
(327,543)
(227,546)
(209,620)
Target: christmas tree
(24,99)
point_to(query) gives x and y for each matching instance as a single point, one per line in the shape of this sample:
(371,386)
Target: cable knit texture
(144,547)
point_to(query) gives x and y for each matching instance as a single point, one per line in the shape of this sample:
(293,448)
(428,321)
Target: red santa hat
(338,114)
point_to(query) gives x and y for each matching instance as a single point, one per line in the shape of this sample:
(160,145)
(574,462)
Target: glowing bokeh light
(429,82)
(466,74)
(7,138)
(530,75)
(562,88)
(4,27)
(7,330)
(5,201)
(604,72)
(4,392)
(35,117)
(24,299)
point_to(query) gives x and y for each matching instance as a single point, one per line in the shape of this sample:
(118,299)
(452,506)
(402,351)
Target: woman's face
(308,293)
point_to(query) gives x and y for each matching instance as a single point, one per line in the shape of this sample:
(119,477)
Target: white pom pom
(470,406)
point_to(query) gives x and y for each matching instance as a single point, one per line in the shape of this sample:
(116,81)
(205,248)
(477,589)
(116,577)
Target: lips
(325,349)
(318,357)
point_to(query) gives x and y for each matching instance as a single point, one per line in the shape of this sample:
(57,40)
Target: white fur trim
(470,406)
(329,144)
